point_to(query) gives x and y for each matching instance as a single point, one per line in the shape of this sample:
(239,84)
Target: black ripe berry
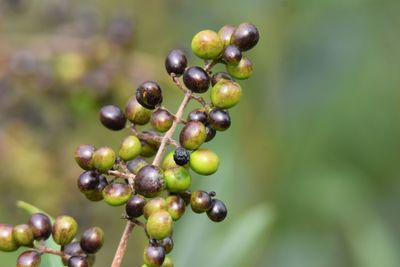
(181,156)
(196,79)
(153,255)
(149,95)
(29,258)
(134,206)
(78,261)
(198,114)
(245,36)
(211,132)
(218,211)
(176,62)
(41,226)
(232,55)
(72,249)
(219,119)
(219,76)
(92,240)
(112,117)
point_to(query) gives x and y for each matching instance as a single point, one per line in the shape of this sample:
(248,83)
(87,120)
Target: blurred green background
(309,167)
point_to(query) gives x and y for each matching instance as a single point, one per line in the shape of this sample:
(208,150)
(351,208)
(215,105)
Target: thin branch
(123,243)
(44,249)
(185,90)
(208,66)
(121,174)
(153,138)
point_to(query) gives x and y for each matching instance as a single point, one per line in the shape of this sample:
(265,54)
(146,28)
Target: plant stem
(43,249)
(123,243)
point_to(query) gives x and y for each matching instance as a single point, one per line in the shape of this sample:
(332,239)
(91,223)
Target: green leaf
(48,260)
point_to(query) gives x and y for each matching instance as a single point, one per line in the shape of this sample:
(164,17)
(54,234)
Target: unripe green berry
(175,206)
(7,242)
(130,148)
(23,235)
(136,164)
(200,201)
(207,44)
(92,240)
(136,113)
(178,179)
(225,94)
(83,156)
(193,135)
(241,71)
(225,33)
(117,194)
(154,205)
(204,161)
(169,162)
(29,258)
(104,159)
(148,150)
(167,262)
(64,230)
(161,120)
(159,225)
(153,256)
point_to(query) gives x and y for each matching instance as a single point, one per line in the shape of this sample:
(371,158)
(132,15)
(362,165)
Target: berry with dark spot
(181,156)
(193,135)
(175,206)
(104,159)
(136,113)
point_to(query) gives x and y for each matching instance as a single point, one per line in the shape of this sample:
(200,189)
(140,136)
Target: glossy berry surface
(154,205)
(149,95)
(153,255)
(159,225)
(161,120)
(92,240)
(167,243)
(117,194)
(23,235)
(83,156)
(198,114)
(181,156)
(134,206)
(169,161)
(176,206)
(211,132)
(220,76)
(177,179)
(232,55)
(149,181)
(136,113)
(29,259)
(241,71)
(193,135)
(176,62)
(78,261)
(245,36)
(104,159)
(207,44)
(112,117)
(41,226)
(136,164)
(225,94)
(196,79)
(218,211)
(204,161)
(71,249)
(7,242)
(219,119)
(64,230)
(200,201)
(225,33)
(130,148)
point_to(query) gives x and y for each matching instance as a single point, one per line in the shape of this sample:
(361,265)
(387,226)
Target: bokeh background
(310,165)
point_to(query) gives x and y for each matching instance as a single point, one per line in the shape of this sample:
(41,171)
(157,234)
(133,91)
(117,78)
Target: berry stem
(185,90)
(44,249)
(123,243)
(154,138)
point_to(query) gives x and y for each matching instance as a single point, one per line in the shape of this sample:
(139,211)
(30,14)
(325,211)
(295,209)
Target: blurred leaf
(48,260)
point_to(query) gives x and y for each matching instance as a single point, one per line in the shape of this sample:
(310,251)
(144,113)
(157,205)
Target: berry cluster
(63,230)
(159,190)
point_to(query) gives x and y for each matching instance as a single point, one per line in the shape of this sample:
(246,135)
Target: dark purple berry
(219,119)
(134,206)
(218,211)
(72,249)
(211,132)
(200,201)
(92,240)
(167,243)
(181,156)
(88,181)
(149,181)
(245,36)
(78,261)
(232,55)
(196,79)
(149,95)
(83,156)
(198,114)
(112,117)
(29,258)
(153,255)
(41,226)
(161,120)
(136,164)
(176,62)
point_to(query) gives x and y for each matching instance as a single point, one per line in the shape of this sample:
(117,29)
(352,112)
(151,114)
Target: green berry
(117,194)
(23,235)
(149,181)
(207,44)
(130,148)
(159,225)
(7,242)
(204,161)
(161,120)
(135,165)
(200,201)
(64,230)
(193,135)
(175,206)
(83,156)
(92,240)
(29,258)
(241,71)
(41,226)
(153,255)
(225,94)
(169,162)
(154,205)
(178,179)
(104,159)
(220,76)
(136,113)
(148,150)
(167,262)
(225,33)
